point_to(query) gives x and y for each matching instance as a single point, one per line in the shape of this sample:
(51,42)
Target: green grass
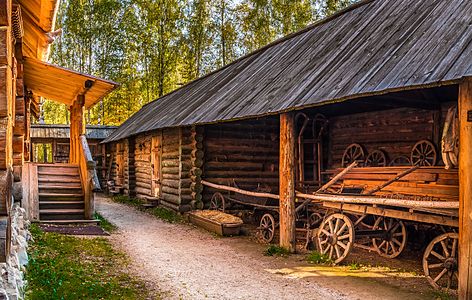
(275,250)
(66,267)
(159,212)
(316,257)
(104,223)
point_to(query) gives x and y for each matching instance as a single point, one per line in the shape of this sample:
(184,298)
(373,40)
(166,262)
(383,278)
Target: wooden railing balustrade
(88,175)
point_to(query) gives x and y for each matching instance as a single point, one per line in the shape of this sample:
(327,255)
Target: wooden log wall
(143,167)
(119,164)
(196,159)
(393,131)
(175,167)
(245,152)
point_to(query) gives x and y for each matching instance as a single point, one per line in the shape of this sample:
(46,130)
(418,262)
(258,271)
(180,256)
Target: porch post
(465,190)
(287,181)
(76,128)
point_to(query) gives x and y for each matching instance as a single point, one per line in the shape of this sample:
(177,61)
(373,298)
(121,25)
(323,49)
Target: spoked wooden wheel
(423,153)
(336,237)
(314,220)
(400,160)
(267,228)
(353,152)
(440,262)
(376,158)
(394,241)
(217,202)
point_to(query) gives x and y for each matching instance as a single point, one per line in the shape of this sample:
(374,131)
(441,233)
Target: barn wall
(245,152)
(142,163)
(393,131)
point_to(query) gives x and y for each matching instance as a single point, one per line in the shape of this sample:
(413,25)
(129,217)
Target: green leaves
(152,47)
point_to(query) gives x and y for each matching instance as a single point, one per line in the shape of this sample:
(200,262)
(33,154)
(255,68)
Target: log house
(383,74)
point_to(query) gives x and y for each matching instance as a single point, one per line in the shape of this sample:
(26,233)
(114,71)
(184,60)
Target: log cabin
(382,84)
(47,192)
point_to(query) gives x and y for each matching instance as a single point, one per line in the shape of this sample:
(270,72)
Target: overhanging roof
(63,85)
(38,19)
(370,48)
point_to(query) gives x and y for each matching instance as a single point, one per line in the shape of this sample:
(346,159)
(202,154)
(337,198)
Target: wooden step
(65,165)
(61,211)
(61,214)
(59,179)
(65,222)
(59,196)
(50,173)
(60,188)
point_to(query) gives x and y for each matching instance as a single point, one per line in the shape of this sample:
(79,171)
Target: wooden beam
(465,190)
(287,181)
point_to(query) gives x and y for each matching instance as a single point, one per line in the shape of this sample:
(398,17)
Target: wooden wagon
(264,205)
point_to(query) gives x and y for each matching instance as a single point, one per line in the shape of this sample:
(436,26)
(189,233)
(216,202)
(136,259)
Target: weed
(67,267)
(104,223)
(276,250)
(316,257)
(355,266)
(442,295)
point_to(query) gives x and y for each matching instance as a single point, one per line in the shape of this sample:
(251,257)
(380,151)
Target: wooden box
(218,227)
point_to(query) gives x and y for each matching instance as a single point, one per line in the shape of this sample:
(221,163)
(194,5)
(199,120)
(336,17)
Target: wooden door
(156,152)
(120,164)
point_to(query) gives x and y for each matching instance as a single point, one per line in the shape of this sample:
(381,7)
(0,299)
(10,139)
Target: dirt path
(183,262)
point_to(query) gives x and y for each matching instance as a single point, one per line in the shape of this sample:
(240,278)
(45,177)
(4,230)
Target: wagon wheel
(336,237)
(314,219)
(394,241)
(423,153)
(440,261)
(267,228)
(217,202)
(400,160)
(376,158)
(353,152)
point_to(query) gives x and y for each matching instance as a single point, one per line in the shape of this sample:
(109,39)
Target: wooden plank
(34,192)
(287,181)
(465,190)
(392,213)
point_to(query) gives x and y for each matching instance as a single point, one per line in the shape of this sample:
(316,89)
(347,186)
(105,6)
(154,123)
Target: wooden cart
(264,205)
(360,208)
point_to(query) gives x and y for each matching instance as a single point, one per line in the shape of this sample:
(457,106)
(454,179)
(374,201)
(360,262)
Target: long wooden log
(328,184)
(287,182)
(396,178)
(465,190)
(240,191)
(361,199)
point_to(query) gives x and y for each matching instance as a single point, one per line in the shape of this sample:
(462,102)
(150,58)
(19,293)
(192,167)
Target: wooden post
(77,128)
(465,190)
(287,181)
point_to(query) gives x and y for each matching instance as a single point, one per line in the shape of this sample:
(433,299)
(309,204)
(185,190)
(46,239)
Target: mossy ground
(68,267)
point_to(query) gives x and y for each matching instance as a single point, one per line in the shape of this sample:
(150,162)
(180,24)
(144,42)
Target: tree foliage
(152,47)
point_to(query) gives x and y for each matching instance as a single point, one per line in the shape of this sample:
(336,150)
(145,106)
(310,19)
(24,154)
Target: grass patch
(104,223)
(275,250)
(354,266)
(316,257)
(159,212)
(66,267)
(441,295)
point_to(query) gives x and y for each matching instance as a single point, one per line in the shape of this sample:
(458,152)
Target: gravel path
(188,263)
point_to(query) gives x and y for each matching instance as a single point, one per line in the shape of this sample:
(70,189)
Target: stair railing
(88,175)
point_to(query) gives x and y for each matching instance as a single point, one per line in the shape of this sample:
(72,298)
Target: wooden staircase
(61,196)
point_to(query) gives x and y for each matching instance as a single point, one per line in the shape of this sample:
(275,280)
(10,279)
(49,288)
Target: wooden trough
(216,221)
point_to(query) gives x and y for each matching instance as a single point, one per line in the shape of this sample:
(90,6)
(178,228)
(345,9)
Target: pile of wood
(428,183)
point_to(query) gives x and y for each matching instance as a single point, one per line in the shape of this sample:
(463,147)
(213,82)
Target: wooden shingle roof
(370,48)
